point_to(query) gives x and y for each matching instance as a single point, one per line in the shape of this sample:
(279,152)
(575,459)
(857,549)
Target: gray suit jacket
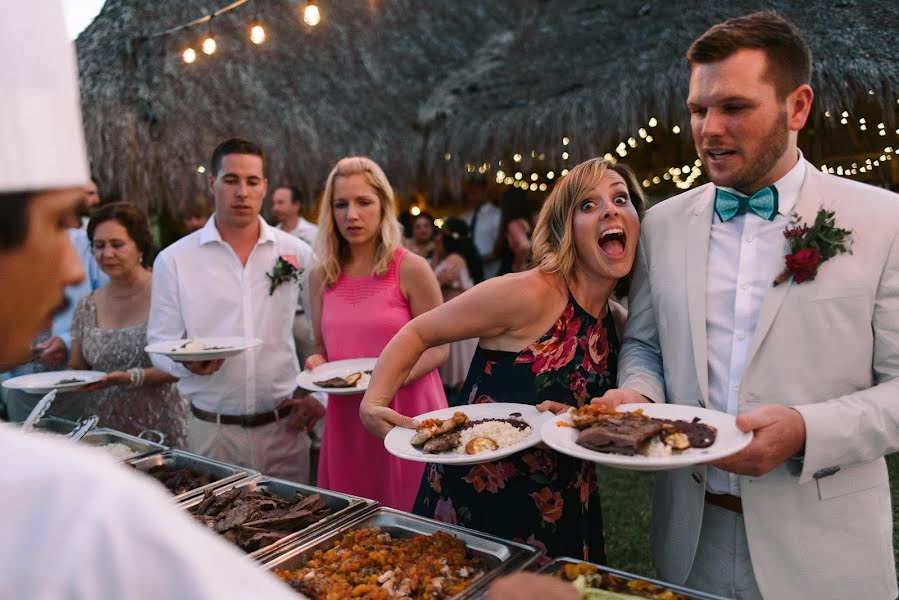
(829,348)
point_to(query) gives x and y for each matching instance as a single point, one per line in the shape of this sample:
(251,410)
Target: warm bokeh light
(189,55)
(209,45)
(311,15)
(257,33)
(415,211)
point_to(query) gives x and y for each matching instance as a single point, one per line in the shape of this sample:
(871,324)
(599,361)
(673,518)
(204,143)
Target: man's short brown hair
(789,57)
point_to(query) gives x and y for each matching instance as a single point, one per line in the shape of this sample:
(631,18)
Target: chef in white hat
(74,523)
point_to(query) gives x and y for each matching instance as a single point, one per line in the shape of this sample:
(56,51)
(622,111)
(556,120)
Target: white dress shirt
(201,289)
(485,232)
(306,231)
(78,525)
(745,255)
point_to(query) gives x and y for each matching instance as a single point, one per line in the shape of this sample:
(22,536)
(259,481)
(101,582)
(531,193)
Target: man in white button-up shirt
(810,366)
(215,282)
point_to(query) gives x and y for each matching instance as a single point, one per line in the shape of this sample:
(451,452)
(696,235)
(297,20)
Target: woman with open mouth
(549,336)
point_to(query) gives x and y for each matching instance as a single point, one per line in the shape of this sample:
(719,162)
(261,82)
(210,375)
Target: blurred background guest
(196,214)
(421,241)
(287,205)
(365,288)
(109,332)
(483,220)
(458,268)
(513,246)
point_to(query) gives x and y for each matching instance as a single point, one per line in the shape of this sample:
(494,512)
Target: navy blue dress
(537,496)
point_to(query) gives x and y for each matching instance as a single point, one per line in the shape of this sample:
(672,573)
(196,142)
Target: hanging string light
(311,14)
(257,32)
(209,46)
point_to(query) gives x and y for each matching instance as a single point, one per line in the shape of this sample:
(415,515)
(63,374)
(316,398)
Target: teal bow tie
(763,203)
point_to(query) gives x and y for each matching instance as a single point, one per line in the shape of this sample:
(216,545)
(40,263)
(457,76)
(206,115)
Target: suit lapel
(697,260)
(807,208)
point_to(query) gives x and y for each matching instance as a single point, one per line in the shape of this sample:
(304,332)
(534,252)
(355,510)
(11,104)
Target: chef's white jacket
(74,524)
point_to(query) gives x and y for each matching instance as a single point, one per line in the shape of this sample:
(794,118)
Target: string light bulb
(257,32)
(189,55)
(209,45)
(311,14)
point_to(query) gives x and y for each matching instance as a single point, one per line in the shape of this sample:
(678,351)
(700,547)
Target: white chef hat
(41,136)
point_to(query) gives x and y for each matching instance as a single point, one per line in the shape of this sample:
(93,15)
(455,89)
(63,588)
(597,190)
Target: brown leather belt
(725,501)
(256,420)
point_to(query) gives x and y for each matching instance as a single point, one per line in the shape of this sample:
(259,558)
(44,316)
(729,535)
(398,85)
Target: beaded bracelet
(137,376)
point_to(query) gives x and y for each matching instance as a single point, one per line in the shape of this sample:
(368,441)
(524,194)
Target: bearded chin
(771,149)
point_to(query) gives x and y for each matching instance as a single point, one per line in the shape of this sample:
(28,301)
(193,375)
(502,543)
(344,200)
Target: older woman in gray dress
(109,331)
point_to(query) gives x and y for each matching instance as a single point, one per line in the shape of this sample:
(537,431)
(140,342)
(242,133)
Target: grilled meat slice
(442,442)
(618,436)
(334,382)
(434,427)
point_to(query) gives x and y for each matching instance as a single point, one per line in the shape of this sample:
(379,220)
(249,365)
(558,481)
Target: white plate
(225,347)
(41,383)
(338,368)
(399,441)
(729,440)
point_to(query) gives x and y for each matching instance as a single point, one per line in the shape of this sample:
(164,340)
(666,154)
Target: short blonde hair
(553,242)
(333,249)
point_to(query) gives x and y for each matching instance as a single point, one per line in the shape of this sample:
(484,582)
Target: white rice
(656,448)
(503,433)
(120,451)
(363,381)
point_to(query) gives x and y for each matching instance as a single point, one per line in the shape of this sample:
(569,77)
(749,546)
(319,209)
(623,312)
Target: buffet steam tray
(639,586)
(101,436)
(501,556)
(343,507)
(223,473)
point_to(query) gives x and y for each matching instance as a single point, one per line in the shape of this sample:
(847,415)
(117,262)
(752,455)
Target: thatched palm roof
(412,83)
(598,71)
(308,96)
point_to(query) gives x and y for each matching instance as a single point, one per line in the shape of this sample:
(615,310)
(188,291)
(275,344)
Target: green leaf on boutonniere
(810,246)
(286,269)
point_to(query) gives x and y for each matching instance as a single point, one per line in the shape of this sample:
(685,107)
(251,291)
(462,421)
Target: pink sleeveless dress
(359,316)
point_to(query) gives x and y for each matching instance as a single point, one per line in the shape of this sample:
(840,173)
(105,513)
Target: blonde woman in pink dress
(365,288)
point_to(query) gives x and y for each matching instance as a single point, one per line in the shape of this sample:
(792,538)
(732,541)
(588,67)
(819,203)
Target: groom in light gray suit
(811,367)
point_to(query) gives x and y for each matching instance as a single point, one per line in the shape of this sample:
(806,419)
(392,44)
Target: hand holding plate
(379,420)
(204,367)
(52,352)
(778,434)
(557,408)
(613,398)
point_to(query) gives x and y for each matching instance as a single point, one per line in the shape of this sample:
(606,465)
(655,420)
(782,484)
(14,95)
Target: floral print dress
(537,496)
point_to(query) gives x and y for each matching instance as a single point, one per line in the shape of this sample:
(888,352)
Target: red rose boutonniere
(811,246)
(287,268)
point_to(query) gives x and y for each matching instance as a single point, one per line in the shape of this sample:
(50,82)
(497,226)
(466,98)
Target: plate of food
(206,348)
(469,434)
(340,377)
(61,381)
(645,436)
